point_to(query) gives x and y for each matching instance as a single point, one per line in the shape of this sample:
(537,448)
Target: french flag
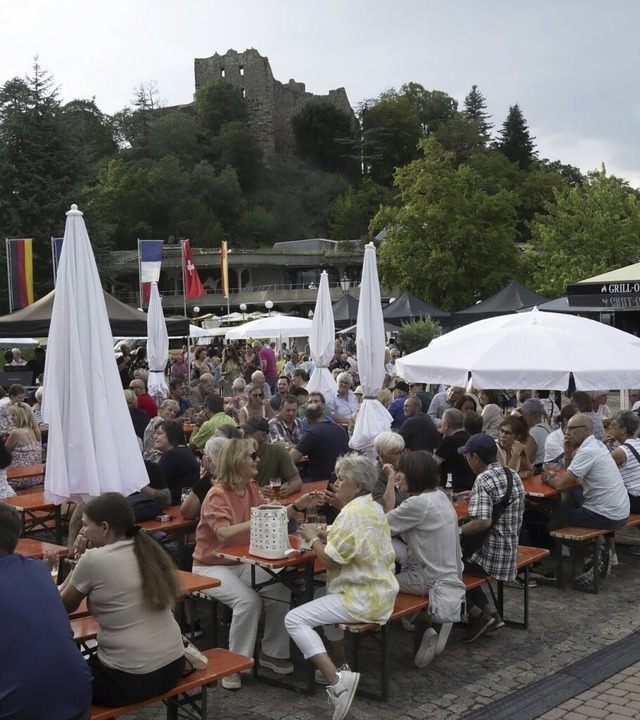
(150,252)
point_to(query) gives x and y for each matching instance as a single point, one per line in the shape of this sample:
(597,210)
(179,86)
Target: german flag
(20,269)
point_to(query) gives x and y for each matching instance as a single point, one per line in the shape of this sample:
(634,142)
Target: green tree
(391,131)
(450,241)
(89,129)
(323,132)
(515,141)
(236,146)
(419,333)
(40,172)
(461,136)
(217,103)
(352,211)
(175,134)
(434,107)
(475,108)
(589,230)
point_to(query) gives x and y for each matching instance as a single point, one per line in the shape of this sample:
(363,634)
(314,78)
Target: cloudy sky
(572,65)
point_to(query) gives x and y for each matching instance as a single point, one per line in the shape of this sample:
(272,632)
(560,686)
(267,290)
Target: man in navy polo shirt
(43,674)
(324,442)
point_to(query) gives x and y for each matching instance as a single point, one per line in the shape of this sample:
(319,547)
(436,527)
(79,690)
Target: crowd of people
(237,417)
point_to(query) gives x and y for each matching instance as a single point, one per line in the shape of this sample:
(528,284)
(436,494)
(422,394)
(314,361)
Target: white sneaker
(613,559)
(322,680)
(341,694)
(427,650)
(443,636)
(231,682)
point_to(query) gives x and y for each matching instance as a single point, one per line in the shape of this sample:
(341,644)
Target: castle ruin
(271,104)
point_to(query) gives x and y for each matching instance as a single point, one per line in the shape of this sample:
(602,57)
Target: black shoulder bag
(473,541)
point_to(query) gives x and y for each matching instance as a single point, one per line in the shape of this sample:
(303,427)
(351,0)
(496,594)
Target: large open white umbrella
(529,350)
(322,342)
(275,326)
(157,346)
(92,447)
(373,418)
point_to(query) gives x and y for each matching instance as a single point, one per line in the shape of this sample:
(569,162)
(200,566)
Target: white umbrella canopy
(373,418)
(92,447)
(275,326)
(529,350)
(322,342)
(157,346)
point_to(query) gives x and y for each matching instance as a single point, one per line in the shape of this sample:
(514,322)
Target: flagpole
(140,290)
(9,290)
(184,280)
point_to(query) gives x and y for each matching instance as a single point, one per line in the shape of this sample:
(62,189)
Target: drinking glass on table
(321,523)
(275,483)
(52,561)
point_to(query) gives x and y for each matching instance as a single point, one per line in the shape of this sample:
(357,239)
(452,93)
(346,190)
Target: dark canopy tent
(345,310)
(511,298)
(409,307)
(34,320)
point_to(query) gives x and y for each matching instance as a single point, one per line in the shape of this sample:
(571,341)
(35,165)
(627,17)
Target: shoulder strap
(633,450)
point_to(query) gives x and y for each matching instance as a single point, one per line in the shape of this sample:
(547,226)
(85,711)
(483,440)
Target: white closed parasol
(322,343)
(92,447)
(373,418)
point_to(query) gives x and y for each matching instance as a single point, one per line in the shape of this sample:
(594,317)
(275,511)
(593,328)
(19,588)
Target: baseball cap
(480,444)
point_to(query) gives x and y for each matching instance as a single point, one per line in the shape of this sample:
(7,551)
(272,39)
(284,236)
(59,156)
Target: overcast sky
(572,65)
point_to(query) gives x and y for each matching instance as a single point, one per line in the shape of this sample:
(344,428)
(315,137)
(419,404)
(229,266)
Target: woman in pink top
(225,521)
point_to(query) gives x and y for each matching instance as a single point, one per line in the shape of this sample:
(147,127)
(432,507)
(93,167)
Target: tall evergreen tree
(515,140)
(475,108)
(41,174)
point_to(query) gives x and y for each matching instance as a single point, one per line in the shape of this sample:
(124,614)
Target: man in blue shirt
(43,673)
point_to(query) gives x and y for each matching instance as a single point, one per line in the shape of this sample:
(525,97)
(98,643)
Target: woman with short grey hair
(361,586)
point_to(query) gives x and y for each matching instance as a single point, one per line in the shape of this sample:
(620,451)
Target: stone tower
(270,103)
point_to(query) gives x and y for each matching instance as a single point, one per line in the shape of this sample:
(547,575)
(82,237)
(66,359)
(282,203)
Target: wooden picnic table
(37,514)
(36,548)
(25,471)
(178,526)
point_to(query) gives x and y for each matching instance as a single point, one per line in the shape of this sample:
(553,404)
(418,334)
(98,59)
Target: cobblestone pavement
(566,626)
(617,698)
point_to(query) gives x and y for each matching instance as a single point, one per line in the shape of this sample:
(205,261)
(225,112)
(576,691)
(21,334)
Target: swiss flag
(192,286)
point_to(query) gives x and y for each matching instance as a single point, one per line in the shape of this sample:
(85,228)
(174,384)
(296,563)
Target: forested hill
(464,199)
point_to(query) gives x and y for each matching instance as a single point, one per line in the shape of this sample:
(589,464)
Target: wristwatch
(313,540)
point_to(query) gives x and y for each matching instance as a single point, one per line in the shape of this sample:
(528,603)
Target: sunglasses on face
(253,455)
(257,395)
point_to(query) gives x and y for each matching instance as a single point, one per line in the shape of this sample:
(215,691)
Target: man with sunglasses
(601,501)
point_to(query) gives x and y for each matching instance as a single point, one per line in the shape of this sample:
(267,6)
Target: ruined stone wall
(271,104)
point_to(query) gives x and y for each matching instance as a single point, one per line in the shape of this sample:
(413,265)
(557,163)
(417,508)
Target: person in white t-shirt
(131,588)
(554,445)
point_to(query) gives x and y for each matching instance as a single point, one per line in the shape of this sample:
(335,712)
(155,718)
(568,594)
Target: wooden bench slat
(222,663)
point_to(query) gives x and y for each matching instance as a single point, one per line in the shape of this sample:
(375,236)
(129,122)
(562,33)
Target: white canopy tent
(275,327)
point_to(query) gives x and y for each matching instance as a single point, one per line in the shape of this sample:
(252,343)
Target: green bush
(419,333)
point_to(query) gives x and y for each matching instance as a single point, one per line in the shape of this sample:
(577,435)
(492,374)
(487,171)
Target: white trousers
(323,611)
(235,591)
